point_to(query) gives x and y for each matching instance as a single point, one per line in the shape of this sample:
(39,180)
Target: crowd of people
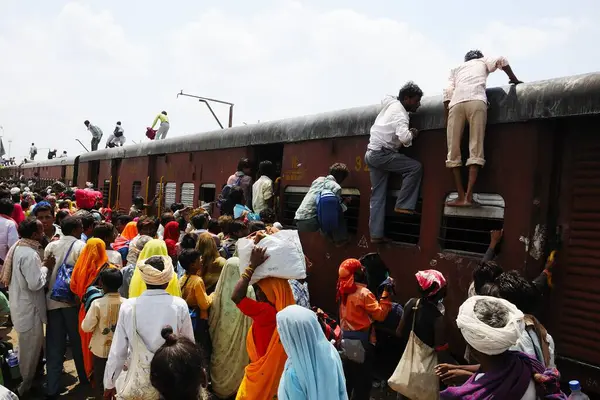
(163,308)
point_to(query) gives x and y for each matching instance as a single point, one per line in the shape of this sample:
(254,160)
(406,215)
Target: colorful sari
(125,237)
(228,328)
(89,264)
(155,247)
(261,378)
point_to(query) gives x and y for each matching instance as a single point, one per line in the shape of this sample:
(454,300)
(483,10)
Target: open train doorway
(273,153)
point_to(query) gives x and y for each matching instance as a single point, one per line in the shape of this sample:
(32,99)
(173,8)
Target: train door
(93,172)
(576,295)
(273,153)
(115,184)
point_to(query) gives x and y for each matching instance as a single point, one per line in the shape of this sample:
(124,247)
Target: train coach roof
(50,163)
(554,98)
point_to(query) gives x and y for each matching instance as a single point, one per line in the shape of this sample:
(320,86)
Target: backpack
(330,326)
(118,132)
(93,292)
(328,211)
(62,287)
(222,202)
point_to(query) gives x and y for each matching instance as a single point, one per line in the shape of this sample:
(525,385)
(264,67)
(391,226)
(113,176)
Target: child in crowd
(193,291)
(237,229)
(101,320)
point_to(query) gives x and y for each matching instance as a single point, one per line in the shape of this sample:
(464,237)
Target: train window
(293,196)
(208,193)
(170,194)
(398,227)
(468,229)
(105,192)
(136,190)
(187,194)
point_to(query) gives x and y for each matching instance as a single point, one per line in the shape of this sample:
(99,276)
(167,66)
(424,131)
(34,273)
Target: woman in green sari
(228,329)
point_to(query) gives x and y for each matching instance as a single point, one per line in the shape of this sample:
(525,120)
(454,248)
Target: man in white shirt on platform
(27,299)
(465,101)
(389,134)
(154,310)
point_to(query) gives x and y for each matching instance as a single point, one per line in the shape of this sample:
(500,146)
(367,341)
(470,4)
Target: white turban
(152,276)
(484,338)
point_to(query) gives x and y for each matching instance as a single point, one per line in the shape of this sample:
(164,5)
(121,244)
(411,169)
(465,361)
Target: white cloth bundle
(484,338)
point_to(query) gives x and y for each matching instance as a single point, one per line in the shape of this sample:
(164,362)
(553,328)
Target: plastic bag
(286,258)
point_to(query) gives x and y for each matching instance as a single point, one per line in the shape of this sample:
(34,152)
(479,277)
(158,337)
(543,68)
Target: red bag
(150,133)
(86,199)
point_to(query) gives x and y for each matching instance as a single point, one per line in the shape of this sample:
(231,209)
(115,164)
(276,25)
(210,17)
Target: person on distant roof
(96,134)
(32,151)
(117,138)
(465,101)
(164,125)
(64,154)
(51,154)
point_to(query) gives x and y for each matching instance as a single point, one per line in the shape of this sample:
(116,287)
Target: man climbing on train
(389,134)
(465,101)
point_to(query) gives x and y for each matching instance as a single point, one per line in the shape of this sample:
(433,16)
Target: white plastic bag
(286,258)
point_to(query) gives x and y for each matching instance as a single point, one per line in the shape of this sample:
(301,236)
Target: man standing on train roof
(96,134)
(117,138)
(164,125)
(389,134)
(465,101)
(32,151)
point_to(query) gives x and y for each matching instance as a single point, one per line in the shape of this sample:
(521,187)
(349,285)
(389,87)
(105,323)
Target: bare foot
(458,203)
(404,211)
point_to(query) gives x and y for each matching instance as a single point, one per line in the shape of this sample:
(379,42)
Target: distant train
(541,184)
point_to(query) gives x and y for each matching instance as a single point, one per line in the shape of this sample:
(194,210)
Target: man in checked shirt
(96,134)
(465,101)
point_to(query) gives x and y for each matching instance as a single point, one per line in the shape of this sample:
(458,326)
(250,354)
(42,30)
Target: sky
(125,60)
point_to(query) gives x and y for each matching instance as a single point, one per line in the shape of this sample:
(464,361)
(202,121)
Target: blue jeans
(62,322)
(381,163)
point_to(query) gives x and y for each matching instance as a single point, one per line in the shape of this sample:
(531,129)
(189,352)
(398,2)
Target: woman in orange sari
(267,356)
(92,260)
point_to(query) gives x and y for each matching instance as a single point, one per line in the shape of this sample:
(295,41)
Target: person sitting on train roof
(389,133)
(117,138)
(52,154)
(262,190)
(63,155)
(306,217)
(242,177)
(96,134)
(465,101)
(164,125)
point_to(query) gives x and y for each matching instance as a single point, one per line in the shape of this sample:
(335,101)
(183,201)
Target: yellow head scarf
(155,247)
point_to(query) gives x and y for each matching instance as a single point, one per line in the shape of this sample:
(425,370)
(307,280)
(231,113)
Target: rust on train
(541,184)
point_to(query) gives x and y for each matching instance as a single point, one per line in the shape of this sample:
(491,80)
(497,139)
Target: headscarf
(262,375)
(154,247)
(136,248)
(428,278)
(313,369)
(124,239)
(152,276)
(345,283)
(89,264)
(171,236)
(484,338)
(228,327)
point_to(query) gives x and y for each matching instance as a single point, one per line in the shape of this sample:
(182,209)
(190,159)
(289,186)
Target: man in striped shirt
(96,134)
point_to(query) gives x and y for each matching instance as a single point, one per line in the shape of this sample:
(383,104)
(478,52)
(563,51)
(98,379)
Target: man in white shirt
(8,227)
(63,316)
(465,101)
(154,310)
(27,299)
(262,190)
(389,134)
(96,134)
(32,151)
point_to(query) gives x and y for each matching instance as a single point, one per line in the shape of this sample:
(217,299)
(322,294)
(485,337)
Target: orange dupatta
(262,375)
(92,258)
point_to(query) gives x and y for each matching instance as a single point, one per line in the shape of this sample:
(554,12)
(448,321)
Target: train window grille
(170,194)
(136,190)
(207,193)
(187,194)
(467,229)
(105,192)
(293,196)
(401,228)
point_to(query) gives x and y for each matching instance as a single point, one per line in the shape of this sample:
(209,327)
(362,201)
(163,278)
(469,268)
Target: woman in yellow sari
(155,247)
(92,260)
(267,356)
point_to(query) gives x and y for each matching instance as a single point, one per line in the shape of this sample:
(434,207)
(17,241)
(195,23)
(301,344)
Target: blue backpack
(223,202)
(62,287)
(328,211)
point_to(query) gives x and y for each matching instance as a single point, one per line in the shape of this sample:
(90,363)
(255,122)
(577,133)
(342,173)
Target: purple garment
(510,382)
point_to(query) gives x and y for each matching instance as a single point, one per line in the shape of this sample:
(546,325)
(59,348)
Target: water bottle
(13,364)
(576,393)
